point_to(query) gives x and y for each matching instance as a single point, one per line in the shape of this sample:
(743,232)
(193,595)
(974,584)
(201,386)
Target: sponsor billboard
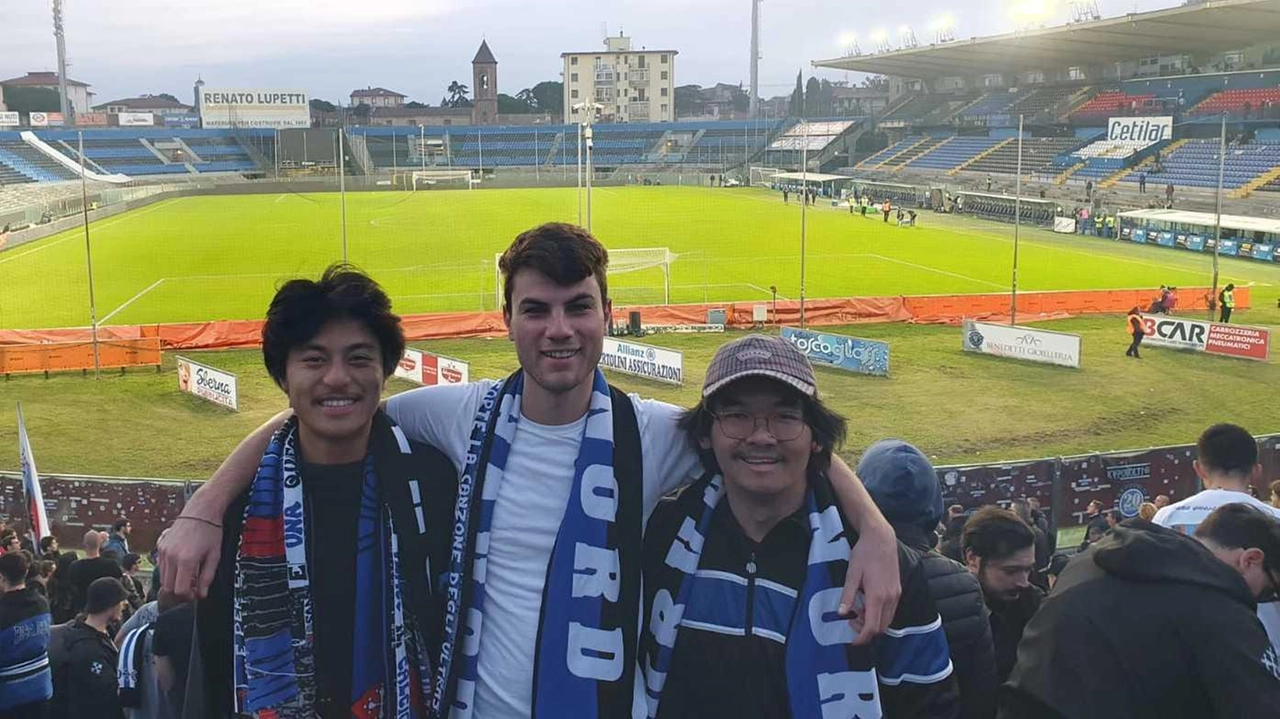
(135,119)
(238,107)
(207,383)
(10,119)
(847,353)
(430,369)
(1022,343)
(38,119)
(1145,130)
(91,119)
(184,120)
(1209,337)
(633,358)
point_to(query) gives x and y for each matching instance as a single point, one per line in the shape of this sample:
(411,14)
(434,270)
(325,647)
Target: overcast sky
(329,47)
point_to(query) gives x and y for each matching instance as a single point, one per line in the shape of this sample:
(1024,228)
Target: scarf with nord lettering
(584,661)
(819,665)
(274,630)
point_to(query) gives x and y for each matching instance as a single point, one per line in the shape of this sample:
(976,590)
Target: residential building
(78,93)
(377,97)
(627,85)
(153,104)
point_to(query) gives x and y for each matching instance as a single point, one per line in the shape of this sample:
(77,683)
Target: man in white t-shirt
(1227,465)
(557,312)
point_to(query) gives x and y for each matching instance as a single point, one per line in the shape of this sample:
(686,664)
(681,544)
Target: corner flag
(31,484)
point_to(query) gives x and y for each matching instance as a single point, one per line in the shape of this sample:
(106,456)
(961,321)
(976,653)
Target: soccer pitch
(221,257)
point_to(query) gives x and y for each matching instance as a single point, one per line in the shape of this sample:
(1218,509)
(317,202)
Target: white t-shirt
(1186,515)
(531,504)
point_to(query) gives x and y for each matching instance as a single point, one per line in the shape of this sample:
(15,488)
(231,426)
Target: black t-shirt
(332,496)
(172,639)
(332,493)
(83,572)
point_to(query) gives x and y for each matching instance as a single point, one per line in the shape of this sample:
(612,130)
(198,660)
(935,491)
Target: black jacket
(1008,621)
(1148,624)
(83,660)
(965,620)
(716,674)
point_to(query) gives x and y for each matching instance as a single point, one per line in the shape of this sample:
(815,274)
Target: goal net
(638,276)
(432,179)
(762,176)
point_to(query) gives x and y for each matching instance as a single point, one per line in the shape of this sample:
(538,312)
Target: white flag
(31,484)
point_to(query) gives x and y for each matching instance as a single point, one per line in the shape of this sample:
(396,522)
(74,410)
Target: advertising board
(430,369)
(847,353)
(1227,340)
(209,384)
(655,363)
(1145,130)
(1024,343)
(246,107)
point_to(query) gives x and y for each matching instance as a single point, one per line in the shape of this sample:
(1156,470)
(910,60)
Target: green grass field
(207,258)
(221,258)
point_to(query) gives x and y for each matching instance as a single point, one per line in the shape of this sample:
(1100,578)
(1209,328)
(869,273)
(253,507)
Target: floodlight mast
(64,101)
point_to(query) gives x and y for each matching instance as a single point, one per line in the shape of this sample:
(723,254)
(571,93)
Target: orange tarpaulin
(79,355)
(950,309)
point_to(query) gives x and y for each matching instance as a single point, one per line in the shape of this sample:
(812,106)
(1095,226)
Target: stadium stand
(1042,100)
(918,107)
(1113,149)
(1115,102)
(914,151)
(1038,154)
(953,153)
(890,151)
(992,108)
(1195,164)
(28,161)
(1251,103)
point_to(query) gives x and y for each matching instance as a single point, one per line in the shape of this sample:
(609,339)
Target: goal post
(762,176)
(621,262)
(428,179)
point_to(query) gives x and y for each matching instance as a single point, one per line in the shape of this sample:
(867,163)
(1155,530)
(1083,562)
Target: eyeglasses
(784,426)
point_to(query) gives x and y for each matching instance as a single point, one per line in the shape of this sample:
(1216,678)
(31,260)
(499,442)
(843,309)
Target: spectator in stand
(1147,511)
(1162,501)
(130,565)
(25,682)
(89,568)
(1133,323)
(83,657)
(1152,624)
(1168,194)
(1227,464)
(9,542)
(1095,523)
(1056,565)
(171,648)
(1275,494)
(1022,508)
(1000,549)
(1041,520)
(118,541)
(60,592)
(49,548)
(950,546)
(39,574)
(988,183)
(1113,518)
(771,534)
(140,695)
(1142,182)
(905,487)
(1088,190)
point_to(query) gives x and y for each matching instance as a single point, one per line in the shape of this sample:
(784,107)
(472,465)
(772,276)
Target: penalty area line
(131,300)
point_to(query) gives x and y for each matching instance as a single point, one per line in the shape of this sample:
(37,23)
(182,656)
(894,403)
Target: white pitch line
(941,272)
(279,199)
(765,290)
(92,226)
(131,300)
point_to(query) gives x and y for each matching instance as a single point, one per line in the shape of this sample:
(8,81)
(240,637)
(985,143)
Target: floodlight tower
(881,39)
(908,37)
(943,29)
(753,102)
(62,62)
(1084,10)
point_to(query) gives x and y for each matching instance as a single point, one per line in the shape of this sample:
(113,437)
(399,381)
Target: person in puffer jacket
(905,487)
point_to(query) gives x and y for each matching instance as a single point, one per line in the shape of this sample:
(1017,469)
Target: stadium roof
(1208,27)
(39,79)
(1206,219)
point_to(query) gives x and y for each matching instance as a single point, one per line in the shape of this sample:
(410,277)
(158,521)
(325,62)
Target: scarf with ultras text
(274,628)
